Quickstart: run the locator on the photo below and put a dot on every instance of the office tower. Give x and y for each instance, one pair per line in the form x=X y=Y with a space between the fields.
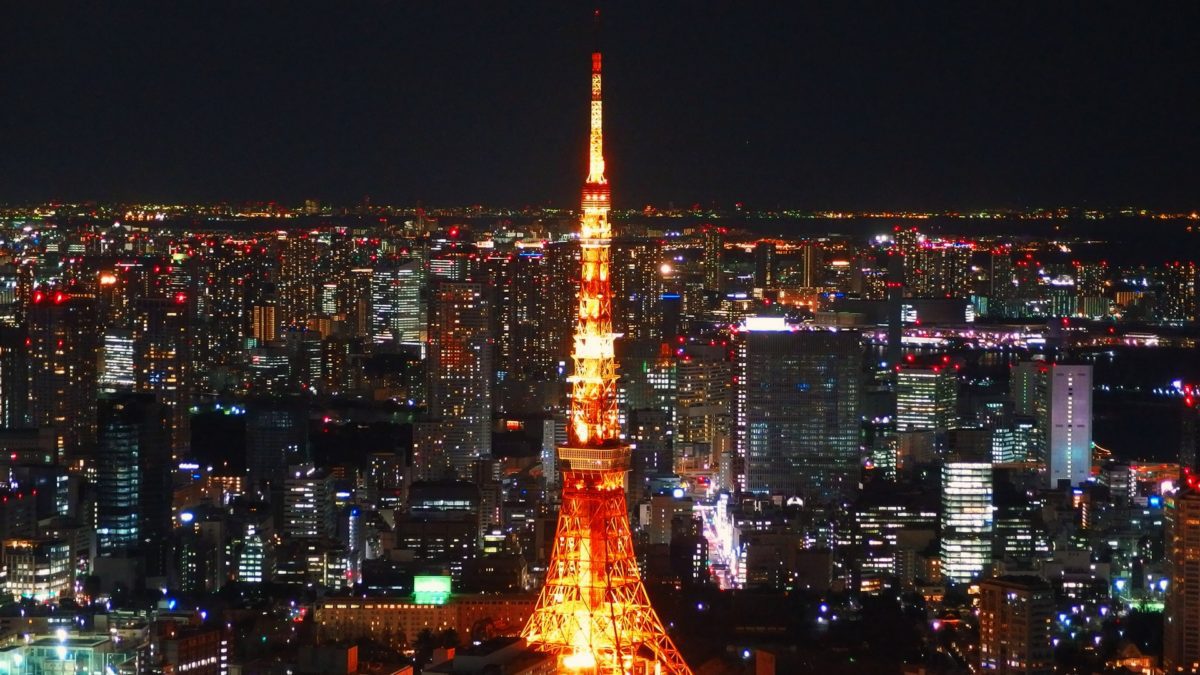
x=703 y=393
x=133 y=478
x=62 y=368
x=1069 y=424
x=593 y=611
x=926 y=395
x=637 y=283
x=452 y=259
x=397 y=311
x=117 y=361
x=276 y=438
x=14 y=378
x=11 y=310
x=811 y=260
x=1027 y=388
x=765 y=264
x=713 y=259
x=460 y=370
x=1015 y=621
x=966 y=532
x=797 y=406
x=269 y=370
x=1181 y=629
x=297 y=285
x=646 y=378
x=1019 y=532
x=883 y=516
x=304 y=355
x=162 y=360
x=308 y=511
x=651 y=457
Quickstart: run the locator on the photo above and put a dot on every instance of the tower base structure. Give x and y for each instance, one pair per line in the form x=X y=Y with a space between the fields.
x=593 y=612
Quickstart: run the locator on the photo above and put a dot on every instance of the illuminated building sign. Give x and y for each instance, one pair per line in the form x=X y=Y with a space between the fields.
x=431 y=590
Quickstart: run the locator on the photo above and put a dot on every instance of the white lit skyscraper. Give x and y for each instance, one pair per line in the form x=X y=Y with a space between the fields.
x=116 y=359
x=1069 y=427
x=397 y=313
x=967 y=521
x=926 y=396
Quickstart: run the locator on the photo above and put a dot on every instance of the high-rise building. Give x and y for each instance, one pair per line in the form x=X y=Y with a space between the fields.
x=62 y=368
x=559 y=305
x=133 y=478
x=1178 y=296
x=943 y=270
x=967 y=520
x=765 y=265
x=1189 y=437
x=714 y=258
x=14 y=378
x=811 y=260
x=397 y=311
x=1069 y=424
x=522 y=314
x=926 y=396
x=593 y=612
x=637 y=282
x=650 y=436
x=308 y=511
x=297 y=278
x=116 y=361
x=797 y=404
x=703 y=393
x=1181 y=630
x=276 y=438
x=1015 y=621
x=264 y=323
x=162 y=360
x=460 y=370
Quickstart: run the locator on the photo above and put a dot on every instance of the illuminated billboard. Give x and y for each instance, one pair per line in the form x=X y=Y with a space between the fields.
x=431 y=590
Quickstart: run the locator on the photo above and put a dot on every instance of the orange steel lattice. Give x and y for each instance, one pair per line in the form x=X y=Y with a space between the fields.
x=593 y=611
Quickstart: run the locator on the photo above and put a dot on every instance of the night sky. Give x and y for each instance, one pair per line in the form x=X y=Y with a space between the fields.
x=917 y=104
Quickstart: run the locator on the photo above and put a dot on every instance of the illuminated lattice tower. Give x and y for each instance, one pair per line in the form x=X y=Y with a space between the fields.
x=593 y=611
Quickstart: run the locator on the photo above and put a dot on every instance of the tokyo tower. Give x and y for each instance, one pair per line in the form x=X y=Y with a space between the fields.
x=593 y=612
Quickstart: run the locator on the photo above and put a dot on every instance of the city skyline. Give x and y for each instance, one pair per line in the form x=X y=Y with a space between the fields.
x=292 y=436
x=941 y=106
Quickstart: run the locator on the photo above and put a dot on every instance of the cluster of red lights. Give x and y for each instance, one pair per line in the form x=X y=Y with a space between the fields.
x=57 y=298
x=1191 y=480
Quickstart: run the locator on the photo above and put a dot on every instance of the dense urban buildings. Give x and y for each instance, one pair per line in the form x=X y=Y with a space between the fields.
x=336 y=434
